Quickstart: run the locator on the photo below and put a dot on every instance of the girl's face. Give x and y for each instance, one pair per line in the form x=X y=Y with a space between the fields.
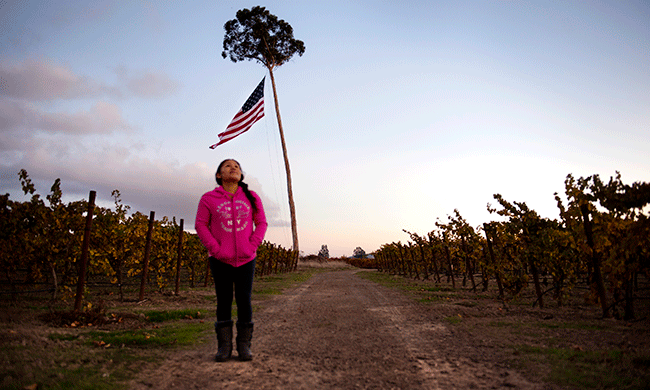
x=230 y=172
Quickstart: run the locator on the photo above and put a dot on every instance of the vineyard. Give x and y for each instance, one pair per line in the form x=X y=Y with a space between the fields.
x=67 y=249
x=598 y=249
x=457 y=301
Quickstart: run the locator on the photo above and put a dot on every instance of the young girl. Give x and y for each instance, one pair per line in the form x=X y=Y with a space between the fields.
x=231 y=224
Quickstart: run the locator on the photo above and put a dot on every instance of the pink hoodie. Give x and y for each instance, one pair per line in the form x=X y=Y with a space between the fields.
x=225 y=225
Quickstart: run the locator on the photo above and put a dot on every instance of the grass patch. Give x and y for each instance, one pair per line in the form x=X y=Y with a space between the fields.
x=178 y=334
x=430 y=299
x=454 y=320
x=171 y=315
x=166 y=336
x=573 y=326
x=96 y=359
x=264 y=287
x=380 y=277
x=422 y=290
x=588 y=369
x=72 y=364
x=506 y=324
x=435 y=289
x=263 y=291
x=467 y=304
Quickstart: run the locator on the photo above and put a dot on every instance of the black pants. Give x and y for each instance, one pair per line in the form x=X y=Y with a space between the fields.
x=225 y=276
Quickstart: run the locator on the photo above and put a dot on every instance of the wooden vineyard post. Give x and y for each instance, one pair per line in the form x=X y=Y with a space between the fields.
x=81 y=281
x=178 y=261
x=147 y=252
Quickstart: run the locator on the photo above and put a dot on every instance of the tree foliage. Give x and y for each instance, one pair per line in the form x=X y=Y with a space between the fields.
x=324 y=252
x=255 y=34
x=358 y=253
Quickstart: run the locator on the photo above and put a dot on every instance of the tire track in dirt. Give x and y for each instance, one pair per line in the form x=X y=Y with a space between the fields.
x=337 y=331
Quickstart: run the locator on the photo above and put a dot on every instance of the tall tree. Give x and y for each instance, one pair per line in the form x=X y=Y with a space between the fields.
x=258 y=35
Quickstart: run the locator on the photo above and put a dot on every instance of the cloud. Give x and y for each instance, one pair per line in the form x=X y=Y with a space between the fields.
x=44 y=81
x=101 y=118
x=147 y=83
x=22 y=119
x=146 y=184
x=271 y=208
x=14 y=114
x=27 y=120
x=40 y=81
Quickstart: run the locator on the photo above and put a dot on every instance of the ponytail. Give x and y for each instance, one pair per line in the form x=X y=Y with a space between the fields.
x=249 y=195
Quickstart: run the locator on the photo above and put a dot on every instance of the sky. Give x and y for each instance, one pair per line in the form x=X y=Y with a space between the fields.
x=397 y=114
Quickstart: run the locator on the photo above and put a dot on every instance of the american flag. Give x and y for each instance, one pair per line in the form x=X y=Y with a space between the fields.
x=251 y=112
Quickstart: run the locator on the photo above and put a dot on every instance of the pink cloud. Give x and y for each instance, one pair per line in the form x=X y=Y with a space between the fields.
x=43 y=80
x=101 y=118
x=147 y=83
x=34 y=80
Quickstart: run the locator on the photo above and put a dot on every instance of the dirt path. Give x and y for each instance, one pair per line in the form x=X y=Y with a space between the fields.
x=339 y=331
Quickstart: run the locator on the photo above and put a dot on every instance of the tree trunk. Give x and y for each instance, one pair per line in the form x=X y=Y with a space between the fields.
x=451 y=267
x=538 y=288
x=595 y=261
x=493 y=259
x=434 y=259
x=424 y=261
x=207 y=273
x=470 y=269
x=120 y=281
x=55 y=284
x=292 y=207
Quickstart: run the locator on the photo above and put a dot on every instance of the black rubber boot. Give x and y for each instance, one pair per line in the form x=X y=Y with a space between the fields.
x=224 y=340
x=244 y=336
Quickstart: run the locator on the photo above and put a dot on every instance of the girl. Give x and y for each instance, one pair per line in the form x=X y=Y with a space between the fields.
x=231 y=224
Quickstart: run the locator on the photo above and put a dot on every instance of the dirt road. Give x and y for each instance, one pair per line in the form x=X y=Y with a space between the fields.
x=339 y=331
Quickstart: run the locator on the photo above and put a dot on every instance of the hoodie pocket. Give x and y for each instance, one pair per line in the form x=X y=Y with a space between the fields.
x=248 y=250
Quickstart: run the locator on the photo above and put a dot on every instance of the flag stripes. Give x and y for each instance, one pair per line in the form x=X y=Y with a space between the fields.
x=251 y=112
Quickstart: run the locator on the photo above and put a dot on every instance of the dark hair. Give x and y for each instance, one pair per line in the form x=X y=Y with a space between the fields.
x=241 y=183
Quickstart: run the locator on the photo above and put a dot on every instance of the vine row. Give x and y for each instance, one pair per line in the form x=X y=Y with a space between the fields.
x=601 y=240
x=41 y=247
